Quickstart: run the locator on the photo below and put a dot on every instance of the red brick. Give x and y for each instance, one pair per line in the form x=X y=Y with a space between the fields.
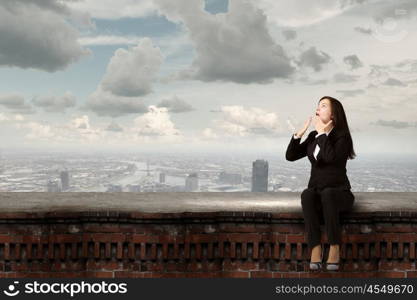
x=260 y=274
x=391 y=274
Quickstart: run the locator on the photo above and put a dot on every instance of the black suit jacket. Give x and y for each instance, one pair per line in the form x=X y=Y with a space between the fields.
x=329 y=170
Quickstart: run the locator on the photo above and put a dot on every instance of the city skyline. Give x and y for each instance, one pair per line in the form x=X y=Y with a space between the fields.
x=214 y=173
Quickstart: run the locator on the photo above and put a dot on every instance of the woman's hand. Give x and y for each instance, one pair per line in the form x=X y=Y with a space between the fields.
x=305 y=127
x=323 y=127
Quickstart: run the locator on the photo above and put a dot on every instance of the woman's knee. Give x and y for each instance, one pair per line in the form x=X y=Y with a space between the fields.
x=307 y=195
x=329 y=196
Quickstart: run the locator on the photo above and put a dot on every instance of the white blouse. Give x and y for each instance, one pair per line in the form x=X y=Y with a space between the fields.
x=317 y=149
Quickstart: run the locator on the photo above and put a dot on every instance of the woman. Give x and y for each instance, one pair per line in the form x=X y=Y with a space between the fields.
x=328 y=192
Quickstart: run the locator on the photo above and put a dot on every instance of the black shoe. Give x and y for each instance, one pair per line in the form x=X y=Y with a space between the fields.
x=333 y=266
x=316 y=266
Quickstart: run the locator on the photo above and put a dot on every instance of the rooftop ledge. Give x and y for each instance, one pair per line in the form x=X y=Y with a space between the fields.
x=192 y=202
x=204 y=234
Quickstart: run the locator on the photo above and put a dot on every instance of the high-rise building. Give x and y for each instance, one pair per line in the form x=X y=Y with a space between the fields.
x=53 y=186
x=260 y=176
x=161 y=177
x=112 y=188
x=65 y=180
x=191 y=182
x=134 y=188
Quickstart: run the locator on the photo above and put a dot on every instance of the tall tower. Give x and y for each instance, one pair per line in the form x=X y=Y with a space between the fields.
x=161 y=177
x=191 y=182
x=65 y=180
x=260 y=176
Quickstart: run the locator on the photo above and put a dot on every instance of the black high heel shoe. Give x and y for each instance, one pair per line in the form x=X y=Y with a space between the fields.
x=316 y=266
x=334 y=266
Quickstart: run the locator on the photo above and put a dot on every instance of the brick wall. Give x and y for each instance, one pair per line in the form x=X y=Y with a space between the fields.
x=207 y=244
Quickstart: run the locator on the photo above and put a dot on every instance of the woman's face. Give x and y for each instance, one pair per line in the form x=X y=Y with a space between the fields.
x=324 y=110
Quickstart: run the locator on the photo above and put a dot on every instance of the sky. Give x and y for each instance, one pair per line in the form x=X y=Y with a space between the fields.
x=214 y=75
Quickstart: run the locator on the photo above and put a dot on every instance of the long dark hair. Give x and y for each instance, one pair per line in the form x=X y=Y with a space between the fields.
x=340 y=122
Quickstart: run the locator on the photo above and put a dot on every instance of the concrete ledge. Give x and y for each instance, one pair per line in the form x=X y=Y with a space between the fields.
x=196 y=235
x=270 y=202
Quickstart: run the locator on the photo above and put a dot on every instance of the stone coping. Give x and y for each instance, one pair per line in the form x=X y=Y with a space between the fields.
x=193 y=202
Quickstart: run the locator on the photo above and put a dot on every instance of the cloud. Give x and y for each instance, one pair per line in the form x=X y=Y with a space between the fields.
x=151 y=128
x=35 y=34
x=11 y=119
x=234 y=46
x=77 y=130
x=407 y=65
x=399 y=74
x=129 y=76
x=55 y=103
x=16 y=103
x=394 y=82
x=156 y=122
x=209 y=134
x=81 y=122
x=351 y=93
x=289 y=34
x=405 y=9
x=344 y=78
x=239 y=121
x=366 y=31
x=106 y=9
x=106 y=104
x=394 y=124
x=175 y=105
x=113 y=126
x=314 y=59
x=301 y=13
x=353 y=61
x=307 y=80
x=131 y=72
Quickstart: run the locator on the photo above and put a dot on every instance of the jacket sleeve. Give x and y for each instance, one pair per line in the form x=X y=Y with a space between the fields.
x=297 y=150
x=331 y=152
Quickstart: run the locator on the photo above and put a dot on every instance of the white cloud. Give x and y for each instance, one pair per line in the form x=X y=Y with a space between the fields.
x=36 y=35
x=314 y=59
x=16 y=103
x=152 y=128
x=240 y=121
x=131 y=72
x=4 y=118
x=81 y=122
x=77 y=130
x=107 y=9
x=113 y=126
x=299 y=13
x=353 y=61
x=235 y=46
x=55 y=103
x=129 y=76
x=106 y=104
x=208 y=133
x=156 y=122
x=175 y=105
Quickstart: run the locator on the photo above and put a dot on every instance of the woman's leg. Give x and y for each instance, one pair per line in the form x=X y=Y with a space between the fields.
x=309 y=199
x=335 y=200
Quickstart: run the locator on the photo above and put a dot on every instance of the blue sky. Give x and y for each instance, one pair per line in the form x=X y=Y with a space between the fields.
x=200 y=75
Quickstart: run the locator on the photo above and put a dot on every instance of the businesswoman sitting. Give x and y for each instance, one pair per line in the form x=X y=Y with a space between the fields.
x=327 y=147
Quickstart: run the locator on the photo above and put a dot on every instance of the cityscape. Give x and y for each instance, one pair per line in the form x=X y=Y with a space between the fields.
x=156 y=172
